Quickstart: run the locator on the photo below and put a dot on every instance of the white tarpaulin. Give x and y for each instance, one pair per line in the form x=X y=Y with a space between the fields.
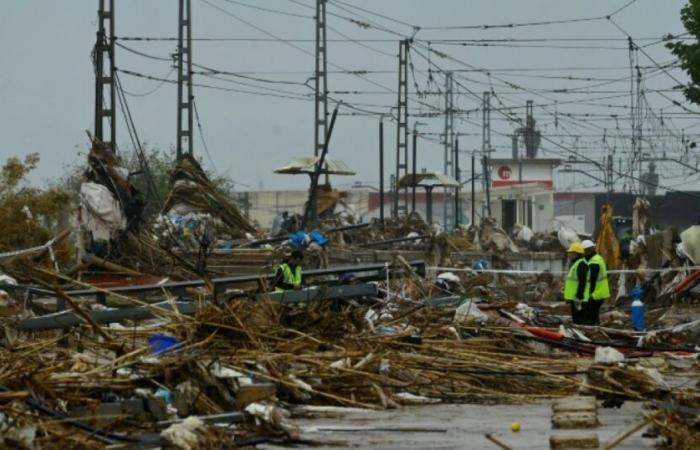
x=690 y=239
x=100 y=212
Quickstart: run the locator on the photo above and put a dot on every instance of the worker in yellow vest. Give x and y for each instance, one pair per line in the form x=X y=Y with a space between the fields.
x=575 y=285
x=288 y=275
x=598 y=286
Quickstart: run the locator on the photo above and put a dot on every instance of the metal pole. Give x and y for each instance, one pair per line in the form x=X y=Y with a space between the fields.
x=104 y=45
x=457 y=177
x=610 y=177
x=311 y=212
x=321 y=81
x=449 y=149
x=640 y=120
x=632 y=109
x=381 y=170
x=429 y=204
x=190 y=93
x=473 y=216
x=402 y=130
x=99 y=68
x=413 y=170
x=112 y=87
x=178 y=147
x=488 y=184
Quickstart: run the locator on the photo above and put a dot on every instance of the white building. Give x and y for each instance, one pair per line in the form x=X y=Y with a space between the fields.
x=522 y=192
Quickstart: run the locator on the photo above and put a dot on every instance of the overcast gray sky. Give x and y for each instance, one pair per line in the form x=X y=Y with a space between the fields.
x=47 y=88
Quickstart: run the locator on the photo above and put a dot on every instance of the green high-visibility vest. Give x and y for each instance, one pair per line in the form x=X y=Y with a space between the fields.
x=571 y=282
x=602 y=288
x=290 y=277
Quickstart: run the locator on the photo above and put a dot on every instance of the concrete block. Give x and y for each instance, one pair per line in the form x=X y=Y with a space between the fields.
x=569 y=420
x=573 y=439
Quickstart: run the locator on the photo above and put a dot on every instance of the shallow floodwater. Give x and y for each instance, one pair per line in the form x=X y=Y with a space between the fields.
x=446 y=427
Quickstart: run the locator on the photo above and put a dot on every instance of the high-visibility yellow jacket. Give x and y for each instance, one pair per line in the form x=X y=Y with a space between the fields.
x=601 y=290
x=571 y=284
x=290 y=277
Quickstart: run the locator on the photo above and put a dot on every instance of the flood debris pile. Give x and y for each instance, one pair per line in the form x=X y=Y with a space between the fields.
x=192 y=192
x=166 y=331
x=253 y=361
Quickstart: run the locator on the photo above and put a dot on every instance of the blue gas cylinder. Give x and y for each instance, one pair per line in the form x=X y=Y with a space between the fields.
x=637 y=310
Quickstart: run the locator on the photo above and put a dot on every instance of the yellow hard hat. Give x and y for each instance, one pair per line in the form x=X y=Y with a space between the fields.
x=576 y=247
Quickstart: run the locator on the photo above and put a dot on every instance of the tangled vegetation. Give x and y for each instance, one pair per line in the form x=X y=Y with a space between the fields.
x=30 y=215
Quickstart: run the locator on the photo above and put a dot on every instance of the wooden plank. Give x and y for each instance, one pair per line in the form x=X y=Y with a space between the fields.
x=9 y=396
x=575 y=404
x=569 y=420
x=573 y=439
x=250 y=393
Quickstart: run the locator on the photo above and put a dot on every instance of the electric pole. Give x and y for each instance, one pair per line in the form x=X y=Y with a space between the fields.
x=184 y=80
x=486 y=148
x=401 y=205
x=636 y=116
x=381 y=169
x=458 y=177
x=449 y=168
x=320 y=80
x=609 y=172
x=639 y=122
x=105 y=108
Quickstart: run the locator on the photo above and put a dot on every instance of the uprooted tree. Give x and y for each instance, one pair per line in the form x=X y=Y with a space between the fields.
x=160 y=165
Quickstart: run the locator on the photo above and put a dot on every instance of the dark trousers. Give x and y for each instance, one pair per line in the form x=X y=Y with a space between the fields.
x=592 y=309
x=578 y=316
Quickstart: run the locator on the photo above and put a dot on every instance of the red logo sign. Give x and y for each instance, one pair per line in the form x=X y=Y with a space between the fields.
x=504 y=172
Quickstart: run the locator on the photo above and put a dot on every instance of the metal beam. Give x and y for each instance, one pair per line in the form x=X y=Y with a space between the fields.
x=321 y=293
x=222 y=282
x=393 y=241
x=68 y=319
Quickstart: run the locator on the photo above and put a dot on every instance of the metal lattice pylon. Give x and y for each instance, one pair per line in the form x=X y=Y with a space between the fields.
x=401 y=204
x=449 y=143
x=184 y=80
x=321 y=80
x=105 y=105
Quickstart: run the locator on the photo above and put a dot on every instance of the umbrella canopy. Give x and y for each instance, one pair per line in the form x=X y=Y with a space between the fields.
x=308 y=165
x=427 y=179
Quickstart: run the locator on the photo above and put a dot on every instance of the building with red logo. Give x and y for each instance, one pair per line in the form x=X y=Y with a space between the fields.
x=522 y=192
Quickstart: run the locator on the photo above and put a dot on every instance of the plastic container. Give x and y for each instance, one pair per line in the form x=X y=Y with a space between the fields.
x=638 y=315
x=480 y=264
x=165 y=394
x=160 y=343
x=637 y=293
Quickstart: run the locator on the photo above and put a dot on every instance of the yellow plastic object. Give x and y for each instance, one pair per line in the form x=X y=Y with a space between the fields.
x=515 y=427
x=576 y=247
x=607 y=244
